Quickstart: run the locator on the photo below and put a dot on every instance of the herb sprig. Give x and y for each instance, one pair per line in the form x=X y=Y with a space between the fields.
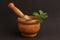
x=40 y=16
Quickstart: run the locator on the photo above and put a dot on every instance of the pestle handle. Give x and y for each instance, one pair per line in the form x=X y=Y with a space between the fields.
x=15 y=9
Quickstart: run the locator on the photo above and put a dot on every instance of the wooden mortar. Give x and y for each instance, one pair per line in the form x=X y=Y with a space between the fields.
x=28 y=28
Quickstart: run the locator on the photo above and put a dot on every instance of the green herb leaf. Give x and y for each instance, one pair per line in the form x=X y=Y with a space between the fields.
x=36 y=14
x=40 y=11
x=40 y=16
x=39 y=20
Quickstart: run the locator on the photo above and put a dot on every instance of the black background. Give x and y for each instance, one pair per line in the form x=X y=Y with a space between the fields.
x=50 y=28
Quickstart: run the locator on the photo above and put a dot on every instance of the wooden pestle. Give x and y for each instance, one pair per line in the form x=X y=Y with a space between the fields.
x=17 y=11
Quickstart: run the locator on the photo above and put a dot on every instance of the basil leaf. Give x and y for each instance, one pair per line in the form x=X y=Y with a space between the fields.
x=40 y=16
x=40 y=11
x=36 y=14
x=39 y=20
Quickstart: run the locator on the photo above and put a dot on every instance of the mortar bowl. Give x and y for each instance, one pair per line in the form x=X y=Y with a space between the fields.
x=28 y=28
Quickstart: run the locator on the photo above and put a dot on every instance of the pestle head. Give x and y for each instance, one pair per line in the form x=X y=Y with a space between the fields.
x=27 y=17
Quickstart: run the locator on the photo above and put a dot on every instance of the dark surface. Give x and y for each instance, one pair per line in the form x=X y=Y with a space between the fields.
x=50 y=29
